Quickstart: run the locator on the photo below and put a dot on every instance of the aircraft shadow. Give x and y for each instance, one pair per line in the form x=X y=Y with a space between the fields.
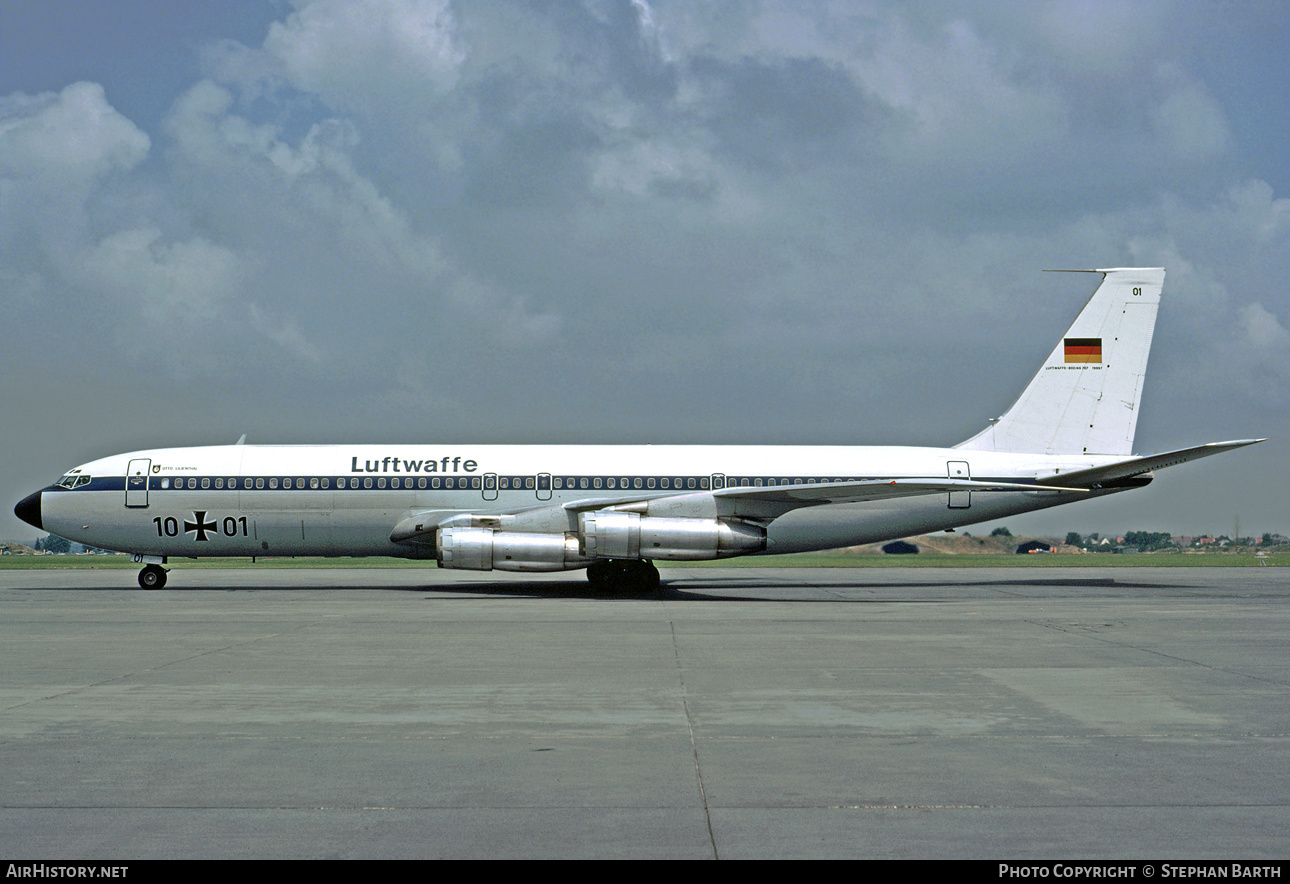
x=677 y=590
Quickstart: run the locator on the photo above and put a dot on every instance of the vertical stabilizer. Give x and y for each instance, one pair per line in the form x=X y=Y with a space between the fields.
x=1084 y=400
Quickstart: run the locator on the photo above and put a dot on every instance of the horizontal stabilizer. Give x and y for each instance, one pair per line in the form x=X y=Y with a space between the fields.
x=1136 y=466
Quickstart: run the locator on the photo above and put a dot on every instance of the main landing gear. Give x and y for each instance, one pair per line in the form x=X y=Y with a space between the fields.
x=622 y=575
x=152 y=577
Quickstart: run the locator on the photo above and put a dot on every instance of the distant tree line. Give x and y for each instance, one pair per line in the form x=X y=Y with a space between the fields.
x=1148 y=540
x=52 y=543
x=1154 y=540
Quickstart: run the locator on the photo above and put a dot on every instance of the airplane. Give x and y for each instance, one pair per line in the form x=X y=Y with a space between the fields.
x=614 y=510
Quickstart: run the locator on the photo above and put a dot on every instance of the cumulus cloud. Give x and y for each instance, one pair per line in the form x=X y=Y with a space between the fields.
x=385 y=54
x=653 y=185
x=58 y=151
x=1190 y=124
x=1264 y=331
x=73 y=136
x=170 y=284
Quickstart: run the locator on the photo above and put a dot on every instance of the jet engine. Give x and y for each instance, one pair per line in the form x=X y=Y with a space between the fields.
x=483 y=549
x=603 y=534
x=618 y=535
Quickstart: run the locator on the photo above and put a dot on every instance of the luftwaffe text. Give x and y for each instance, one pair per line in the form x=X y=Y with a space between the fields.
x=446 y=464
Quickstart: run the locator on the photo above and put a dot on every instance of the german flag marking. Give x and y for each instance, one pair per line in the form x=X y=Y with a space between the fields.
x=1083 y=349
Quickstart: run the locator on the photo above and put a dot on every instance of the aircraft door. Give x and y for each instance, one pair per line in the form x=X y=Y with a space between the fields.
x=544 y=486
x=959 y=500
x=490 y=486
x=136 y=482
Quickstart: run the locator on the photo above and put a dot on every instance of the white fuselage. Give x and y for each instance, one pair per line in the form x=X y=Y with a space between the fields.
x=346 y=500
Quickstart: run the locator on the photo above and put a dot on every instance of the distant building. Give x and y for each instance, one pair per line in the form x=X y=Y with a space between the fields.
x=900 y=548
x=1034 y=546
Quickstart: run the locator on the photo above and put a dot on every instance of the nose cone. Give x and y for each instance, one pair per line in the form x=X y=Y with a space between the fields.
x=28 y=509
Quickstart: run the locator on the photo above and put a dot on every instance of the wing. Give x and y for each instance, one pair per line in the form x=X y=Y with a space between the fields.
x=869 y=489
x=773 y=501
x=761 y=503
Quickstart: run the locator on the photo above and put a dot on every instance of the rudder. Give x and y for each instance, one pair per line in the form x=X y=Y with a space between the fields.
x=1084 y=400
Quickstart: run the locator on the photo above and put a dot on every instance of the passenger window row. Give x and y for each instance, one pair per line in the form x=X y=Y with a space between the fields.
x=489 y=482
x=314 y=483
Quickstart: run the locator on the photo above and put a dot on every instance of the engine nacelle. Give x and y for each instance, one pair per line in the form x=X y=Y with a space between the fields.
x=618 y=535
x=483 y=549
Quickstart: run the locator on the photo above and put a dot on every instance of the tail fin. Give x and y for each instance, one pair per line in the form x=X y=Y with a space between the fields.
x=1084 y=400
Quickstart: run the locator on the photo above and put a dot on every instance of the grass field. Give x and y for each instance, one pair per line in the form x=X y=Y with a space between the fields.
x=800 y=560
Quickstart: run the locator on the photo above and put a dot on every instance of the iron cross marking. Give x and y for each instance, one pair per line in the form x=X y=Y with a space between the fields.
x=200 y=525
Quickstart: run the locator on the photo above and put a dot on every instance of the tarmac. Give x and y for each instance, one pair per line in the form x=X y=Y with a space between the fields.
x=740 y=713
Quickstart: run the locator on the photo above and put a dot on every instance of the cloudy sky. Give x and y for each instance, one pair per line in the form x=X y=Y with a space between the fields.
x=638 y=221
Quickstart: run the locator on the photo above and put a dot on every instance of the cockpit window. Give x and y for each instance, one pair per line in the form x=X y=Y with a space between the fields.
x=74 y=479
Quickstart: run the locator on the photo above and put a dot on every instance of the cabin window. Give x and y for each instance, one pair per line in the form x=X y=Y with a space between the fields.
x=421 y=482
x=367 y=482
